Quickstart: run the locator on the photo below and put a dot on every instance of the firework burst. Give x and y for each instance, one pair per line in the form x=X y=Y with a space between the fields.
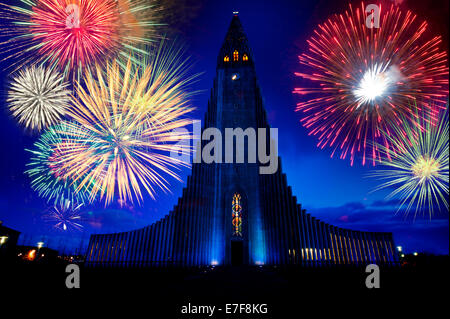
x=65 y=217
x=125 y=125
x=419 y=171
x=38 y=97
x=75 y=34
x=366 y=79
x=46 y=172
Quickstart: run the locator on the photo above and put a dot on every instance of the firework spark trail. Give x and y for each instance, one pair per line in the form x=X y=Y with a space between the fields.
x=367 y=78
x=76 y=34
x=38 y=97
x=65 y=216
x=419 y=172
x=123 y=128
x=45 y=171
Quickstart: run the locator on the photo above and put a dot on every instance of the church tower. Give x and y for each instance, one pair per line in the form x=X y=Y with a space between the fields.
x=230 y=213
x=237 y=104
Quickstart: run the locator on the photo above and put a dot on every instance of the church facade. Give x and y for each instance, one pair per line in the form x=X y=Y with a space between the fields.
x=229 y=213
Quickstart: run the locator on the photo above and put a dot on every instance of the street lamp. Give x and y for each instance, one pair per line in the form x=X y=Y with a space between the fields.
x=3 y=239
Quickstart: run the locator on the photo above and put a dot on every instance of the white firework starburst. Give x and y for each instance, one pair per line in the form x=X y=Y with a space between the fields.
x=65 y=217
x=38 y=97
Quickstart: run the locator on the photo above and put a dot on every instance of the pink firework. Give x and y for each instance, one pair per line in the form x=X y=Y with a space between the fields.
x=75 y=34
x=70 y=33
x=368 y=79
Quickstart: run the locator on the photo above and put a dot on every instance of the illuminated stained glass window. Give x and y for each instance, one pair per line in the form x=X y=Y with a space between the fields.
x=226 y=59
x=237 y=215
x=245 y=57
x=235 y=55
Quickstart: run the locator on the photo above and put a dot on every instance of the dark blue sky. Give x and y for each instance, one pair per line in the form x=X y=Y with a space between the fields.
x=329 y=189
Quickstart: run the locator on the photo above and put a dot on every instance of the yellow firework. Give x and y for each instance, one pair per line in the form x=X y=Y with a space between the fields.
x=126 y=125
x=417 y=166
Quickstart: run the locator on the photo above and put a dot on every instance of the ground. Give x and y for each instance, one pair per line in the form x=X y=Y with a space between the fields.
x=284 y=292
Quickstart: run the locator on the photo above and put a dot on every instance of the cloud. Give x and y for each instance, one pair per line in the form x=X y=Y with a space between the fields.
x=386 y=203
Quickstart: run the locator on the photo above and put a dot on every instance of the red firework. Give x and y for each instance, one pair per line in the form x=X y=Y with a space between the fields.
x=368 y=79
x=76 y=32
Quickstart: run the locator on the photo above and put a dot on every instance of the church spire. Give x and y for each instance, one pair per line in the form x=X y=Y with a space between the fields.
x=235 y=49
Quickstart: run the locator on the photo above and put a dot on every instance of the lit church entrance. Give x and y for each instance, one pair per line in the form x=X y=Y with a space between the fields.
x=237 y=252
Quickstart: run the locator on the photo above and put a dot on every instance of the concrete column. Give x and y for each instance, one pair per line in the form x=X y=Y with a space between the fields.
x=153 y=244
x=171 y=231
x=341 y=258
x=147 y=238
x=165 y=240
x=103 y=249
x=349 y=247
x=91 y=248
x=302 y=235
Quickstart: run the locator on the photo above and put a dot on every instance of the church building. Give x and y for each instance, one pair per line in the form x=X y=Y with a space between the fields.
x=229 y=213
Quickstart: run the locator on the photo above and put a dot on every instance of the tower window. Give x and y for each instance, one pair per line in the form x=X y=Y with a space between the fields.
x=226 y=59
x=245 y=57
x=237 y=215
x=235 y=55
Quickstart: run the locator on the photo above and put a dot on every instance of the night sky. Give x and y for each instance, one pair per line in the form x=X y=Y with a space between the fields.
x=329 y=189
